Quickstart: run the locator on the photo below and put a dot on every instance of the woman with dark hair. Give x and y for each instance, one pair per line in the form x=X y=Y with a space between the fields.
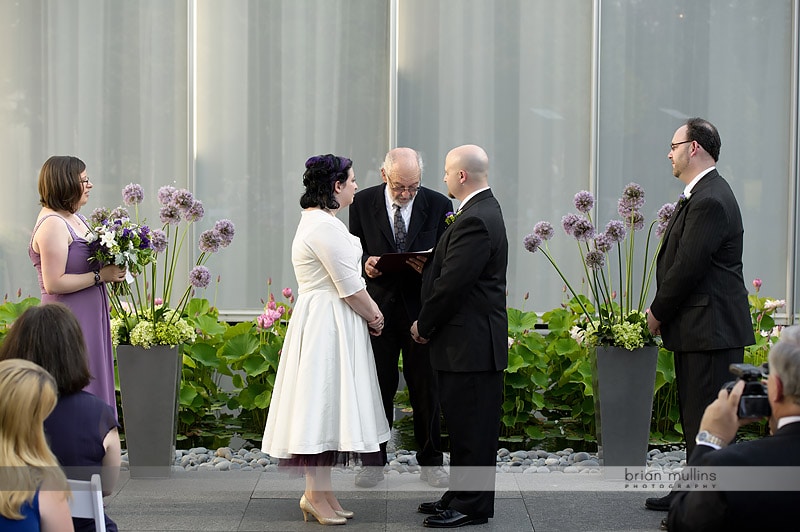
x=82 y=430
x=326 y=398
x=60 y=253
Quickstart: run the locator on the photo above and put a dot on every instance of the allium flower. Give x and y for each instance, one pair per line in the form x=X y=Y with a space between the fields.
x=615 y=229
x=195 y=212
x=583 y=201
x=661 y=228
x=666 y=211
x=159 y=240
x=119 y=213
x=169 y=214
x=583 y=229
x=633 y=196
x=568 y=221
x=544 y=230
x=532 y=242
x=635 y=219
x=603 y=243
x=200 y=277
x=226 y=231
x=99 y=216
x=595 y=260
x=183 y=199
x=209 y=241
x=165 y=194
x=132 y=194
x=287 y=292
x=757 y=284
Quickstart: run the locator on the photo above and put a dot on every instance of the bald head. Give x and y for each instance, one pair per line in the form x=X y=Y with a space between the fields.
x=466 y=169
x=402 y=171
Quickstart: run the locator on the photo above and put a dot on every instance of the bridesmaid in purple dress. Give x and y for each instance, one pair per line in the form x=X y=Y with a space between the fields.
x=60 y=253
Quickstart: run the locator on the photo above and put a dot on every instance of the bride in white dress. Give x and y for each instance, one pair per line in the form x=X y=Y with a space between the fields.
x=326 y=397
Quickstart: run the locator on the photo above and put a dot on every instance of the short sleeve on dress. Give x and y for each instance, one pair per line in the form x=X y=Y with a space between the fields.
x=340 y=253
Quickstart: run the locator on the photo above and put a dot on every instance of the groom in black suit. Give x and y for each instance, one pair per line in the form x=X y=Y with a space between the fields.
x=700 y=308
x=749 y=510
x=400 y=206
x=464 y=318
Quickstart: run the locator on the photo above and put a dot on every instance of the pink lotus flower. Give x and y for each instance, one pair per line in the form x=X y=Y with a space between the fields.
x=757 y=283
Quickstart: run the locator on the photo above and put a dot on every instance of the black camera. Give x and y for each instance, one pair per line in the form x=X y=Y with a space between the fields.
x=754 y=402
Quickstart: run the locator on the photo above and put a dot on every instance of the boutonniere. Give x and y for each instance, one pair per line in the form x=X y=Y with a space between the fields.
x=682 y=199
x=450 y=217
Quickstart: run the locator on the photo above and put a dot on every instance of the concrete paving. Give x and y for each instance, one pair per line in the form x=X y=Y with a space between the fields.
x=251 y=501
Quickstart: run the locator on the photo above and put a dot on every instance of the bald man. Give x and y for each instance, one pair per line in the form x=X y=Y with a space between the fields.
x=464 y=322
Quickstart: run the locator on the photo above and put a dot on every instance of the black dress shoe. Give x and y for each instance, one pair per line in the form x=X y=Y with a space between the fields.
x=659 y=504
x=432 y=508
x=452 y=519
x=664 y=525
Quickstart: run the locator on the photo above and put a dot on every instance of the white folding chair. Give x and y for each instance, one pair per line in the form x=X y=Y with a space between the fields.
x=87 y=501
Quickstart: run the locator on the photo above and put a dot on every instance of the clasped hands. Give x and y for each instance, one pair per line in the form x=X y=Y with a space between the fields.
x=416 y=263
x=415 y=334
x=375 y=326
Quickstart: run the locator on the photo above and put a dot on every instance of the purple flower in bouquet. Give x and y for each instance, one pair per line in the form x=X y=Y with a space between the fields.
x=119 y=213
x=99 y=216
x=132 y=194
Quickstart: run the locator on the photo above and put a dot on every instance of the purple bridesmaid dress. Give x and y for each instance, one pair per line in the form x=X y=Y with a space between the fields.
x=91 y=307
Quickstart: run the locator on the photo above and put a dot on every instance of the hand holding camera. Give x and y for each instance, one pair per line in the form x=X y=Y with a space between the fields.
x=754 y=402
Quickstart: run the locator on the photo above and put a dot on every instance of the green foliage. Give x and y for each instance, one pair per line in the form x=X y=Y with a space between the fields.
x=10 y=311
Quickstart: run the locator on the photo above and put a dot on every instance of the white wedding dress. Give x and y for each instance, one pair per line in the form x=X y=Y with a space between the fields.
x=326 y=395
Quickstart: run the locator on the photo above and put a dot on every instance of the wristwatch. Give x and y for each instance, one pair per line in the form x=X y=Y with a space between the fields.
x=96 y=277
x=706 y=437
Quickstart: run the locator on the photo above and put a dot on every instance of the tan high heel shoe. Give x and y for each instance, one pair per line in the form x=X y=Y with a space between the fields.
x=307 y=508
x=347 y=514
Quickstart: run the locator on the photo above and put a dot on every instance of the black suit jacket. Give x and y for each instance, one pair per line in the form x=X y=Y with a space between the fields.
x=742 y=510
x=701 y=298
x=464 y=291
x=369 y=221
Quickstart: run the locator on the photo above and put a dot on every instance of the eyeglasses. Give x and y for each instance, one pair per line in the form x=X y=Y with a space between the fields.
x=676 y=144
x=399 y=190
x=84 y=180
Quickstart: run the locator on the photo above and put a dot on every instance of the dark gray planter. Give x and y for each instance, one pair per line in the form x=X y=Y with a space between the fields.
x=149 y=380
x=624 y=382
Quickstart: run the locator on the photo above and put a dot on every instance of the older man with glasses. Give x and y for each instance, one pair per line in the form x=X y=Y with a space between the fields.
x=399 y=215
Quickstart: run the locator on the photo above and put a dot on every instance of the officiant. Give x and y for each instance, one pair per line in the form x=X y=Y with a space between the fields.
x=401 y=216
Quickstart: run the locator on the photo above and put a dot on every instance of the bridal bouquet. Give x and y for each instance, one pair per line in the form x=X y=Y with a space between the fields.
x=142 y=313
x=614 y=315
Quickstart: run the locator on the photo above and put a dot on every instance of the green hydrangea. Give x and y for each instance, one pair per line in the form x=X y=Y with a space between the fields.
x=628 y=335
x=170 y=329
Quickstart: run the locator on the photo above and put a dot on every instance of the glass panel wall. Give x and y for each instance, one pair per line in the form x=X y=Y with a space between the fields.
x=230 y=98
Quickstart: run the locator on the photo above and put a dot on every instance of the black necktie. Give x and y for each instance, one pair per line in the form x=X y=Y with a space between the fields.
x=399 y=229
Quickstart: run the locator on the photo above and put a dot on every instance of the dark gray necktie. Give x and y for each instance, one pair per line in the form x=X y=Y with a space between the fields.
x=399 y=229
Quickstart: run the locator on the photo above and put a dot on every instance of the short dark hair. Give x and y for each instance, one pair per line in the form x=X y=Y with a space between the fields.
x=60 y=186
x=50 y=336
x=322 y=171
x=705 y=134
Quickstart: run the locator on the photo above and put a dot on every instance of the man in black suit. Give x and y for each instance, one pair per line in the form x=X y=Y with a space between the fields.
x=464 y=318
x=700 y=308
x=400 y=215
x=749 y=510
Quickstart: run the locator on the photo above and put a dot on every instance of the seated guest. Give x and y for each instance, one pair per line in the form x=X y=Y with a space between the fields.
x=33 y=490
x=748 y=510
x=82 y=430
